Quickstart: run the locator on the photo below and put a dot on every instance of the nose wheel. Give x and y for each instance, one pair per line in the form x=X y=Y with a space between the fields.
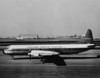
x=43 y=60
x=12 y=57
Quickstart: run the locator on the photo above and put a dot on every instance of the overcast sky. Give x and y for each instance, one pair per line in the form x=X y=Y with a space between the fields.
x=49 y=17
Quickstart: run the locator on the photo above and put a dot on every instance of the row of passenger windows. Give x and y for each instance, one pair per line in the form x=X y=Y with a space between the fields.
x=48 y=49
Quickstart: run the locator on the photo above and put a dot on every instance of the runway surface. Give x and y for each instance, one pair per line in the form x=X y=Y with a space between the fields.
x=75 y=68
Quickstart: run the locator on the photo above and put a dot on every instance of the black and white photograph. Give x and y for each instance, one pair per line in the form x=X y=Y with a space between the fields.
x=49 y=39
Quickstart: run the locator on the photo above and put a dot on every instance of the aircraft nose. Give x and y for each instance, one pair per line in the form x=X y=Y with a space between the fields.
x=6 y=51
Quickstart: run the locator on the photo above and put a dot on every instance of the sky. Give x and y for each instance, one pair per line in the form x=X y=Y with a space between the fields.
x=49 y=17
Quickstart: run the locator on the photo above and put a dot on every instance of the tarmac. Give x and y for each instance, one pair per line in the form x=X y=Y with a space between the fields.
x=76 y=67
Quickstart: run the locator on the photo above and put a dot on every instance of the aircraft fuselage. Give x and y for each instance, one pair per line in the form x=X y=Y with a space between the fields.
x=60 y=48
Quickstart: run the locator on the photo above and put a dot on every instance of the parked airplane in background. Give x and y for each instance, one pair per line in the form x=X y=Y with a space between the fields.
x=45 y=51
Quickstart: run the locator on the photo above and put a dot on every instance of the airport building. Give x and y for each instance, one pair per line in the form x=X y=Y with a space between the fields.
x=27 y=36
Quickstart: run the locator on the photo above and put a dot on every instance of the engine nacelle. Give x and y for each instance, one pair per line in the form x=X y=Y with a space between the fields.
x=42 y=53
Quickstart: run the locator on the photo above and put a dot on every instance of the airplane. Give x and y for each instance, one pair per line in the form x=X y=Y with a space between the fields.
x=51 y=52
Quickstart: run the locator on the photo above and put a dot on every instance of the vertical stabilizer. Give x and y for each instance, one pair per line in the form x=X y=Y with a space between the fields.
x=89 y=36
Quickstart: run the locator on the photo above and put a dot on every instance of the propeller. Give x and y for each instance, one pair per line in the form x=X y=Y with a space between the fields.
x=30 y=57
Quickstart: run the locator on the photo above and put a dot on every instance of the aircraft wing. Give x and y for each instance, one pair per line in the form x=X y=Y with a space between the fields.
x=48 y=56
x=42 y=53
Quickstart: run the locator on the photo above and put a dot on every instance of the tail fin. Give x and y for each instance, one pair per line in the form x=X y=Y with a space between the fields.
x=89 y=36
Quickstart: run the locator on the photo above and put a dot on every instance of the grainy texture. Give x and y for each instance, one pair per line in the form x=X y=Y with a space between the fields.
x=76 y=68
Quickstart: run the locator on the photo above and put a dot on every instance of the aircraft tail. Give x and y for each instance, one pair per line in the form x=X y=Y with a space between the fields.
x=89 y=36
